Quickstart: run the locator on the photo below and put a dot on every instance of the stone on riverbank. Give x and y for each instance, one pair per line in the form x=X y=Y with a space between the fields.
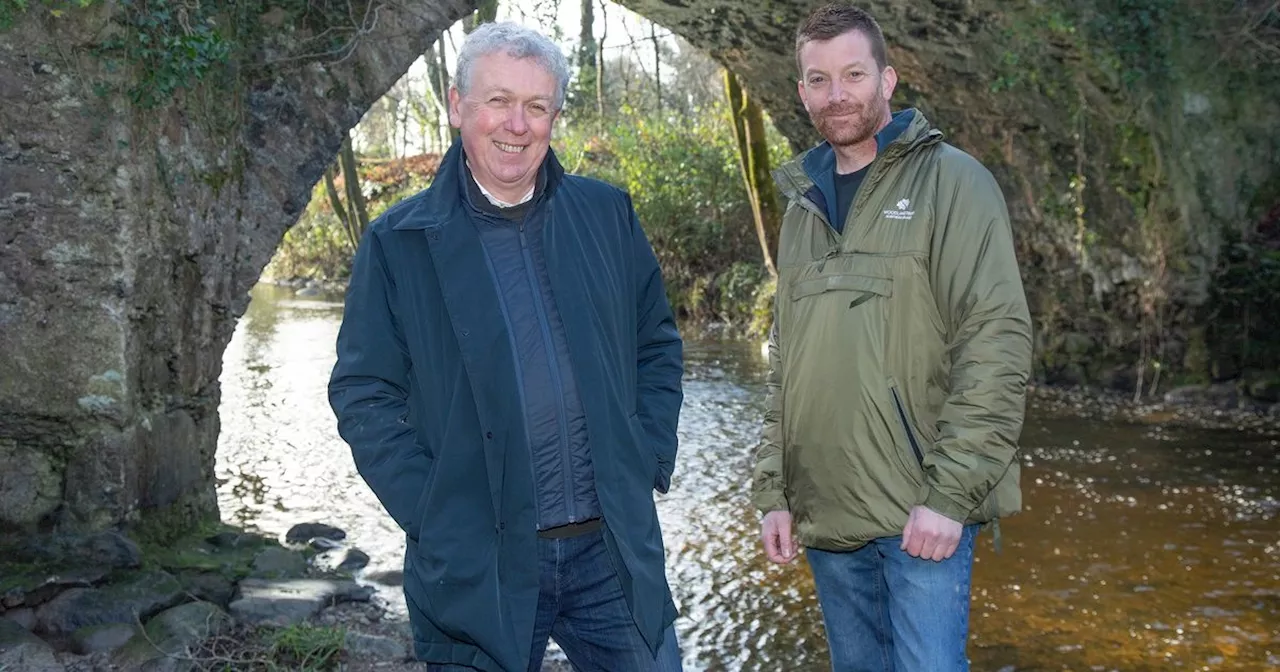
x=167 y=639
x=364 y=647
x=288 y=602
x=32 y=588
x=127 y=602
x=103 y=550
x=275 y=562
x=21 y=650
x=98 y=638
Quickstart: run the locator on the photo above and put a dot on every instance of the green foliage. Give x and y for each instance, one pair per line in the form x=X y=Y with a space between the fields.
x=317 y=247
x=303 y=647
x=172 y=44
x=10 y=9
x=685 y=182
x=169 y=44
x=1020 y=60
x=1141 y=35
x=306 y=647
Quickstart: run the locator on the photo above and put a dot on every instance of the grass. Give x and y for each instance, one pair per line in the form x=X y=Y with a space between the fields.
x=302 y=648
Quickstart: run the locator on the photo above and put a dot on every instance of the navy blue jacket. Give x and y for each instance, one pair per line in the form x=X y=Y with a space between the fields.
x=555 y=424
x=426 y=395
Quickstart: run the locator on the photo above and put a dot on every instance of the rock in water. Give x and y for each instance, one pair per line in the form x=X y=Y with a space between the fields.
x=356 y=559
x=304 y=532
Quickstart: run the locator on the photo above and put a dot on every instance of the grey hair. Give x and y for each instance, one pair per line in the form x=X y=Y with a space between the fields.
x=517 y=42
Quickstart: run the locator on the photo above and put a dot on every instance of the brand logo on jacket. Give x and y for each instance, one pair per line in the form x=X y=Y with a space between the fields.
x=904 y=210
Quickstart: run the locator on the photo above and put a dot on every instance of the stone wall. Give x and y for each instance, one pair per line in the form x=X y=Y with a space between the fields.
x=129 y=240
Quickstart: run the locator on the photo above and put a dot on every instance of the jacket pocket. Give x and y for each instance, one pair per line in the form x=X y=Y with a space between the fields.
x=661 y=482
x=869 y=285
x=905 y=421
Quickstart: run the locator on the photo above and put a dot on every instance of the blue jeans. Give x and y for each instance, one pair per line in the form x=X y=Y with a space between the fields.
x=580 y=604
x=886 y=611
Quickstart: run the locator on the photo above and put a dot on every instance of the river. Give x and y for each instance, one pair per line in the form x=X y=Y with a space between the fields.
x=1140 y=547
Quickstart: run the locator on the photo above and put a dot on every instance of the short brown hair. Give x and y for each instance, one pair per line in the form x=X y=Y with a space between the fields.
x=836 y=19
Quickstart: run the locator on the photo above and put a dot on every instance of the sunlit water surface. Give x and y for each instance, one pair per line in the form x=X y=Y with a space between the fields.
x=1140 y=548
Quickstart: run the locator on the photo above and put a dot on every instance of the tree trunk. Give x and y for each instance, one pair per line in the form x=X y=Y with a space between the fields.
x=657 y=63
x=586 y=56
x=357 y=213
x=753 y=154
x=604 y=19
x=438 y=73
x=335 y=202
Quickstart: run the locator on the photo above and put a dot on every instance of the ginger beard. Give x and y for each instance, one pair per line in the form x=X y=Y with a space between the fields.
x=848 y=123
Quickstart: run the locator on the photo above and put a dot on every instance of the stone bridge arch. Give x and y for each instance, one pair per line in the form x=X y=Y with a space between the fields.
x=129 y=238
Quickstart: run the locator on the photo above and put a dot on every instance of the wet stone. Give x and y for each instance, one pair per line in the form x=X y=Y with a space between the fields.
x=323 y=544
x=304 y=532
x=386 y=577
x=356 y=559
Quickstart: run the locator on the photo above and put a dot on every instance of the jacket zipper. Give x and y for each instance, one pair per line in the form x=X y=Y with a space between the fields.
x=902 y=415
x=556 y=383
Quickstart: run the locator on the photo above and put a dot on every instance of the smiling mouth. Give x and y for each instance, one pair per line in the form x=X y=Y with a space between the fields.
x=509 y=149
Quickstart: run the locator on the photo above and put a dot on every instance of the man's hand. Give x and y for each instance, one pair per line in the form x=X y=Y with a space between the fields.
x=775 y=531
x=930 y=535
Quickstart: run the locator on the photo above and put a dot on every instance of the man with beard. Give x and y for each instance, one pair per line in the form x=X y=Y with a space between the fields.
x=899 y=354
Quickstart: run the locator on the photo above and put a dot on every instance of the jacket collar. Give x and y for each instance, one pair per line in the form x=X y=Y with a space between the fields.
x=447 y=194
x=815 y=167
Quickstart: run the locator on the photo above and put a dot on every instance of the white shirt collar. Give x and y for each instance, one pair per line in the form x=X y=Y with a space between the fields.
x=494 y=199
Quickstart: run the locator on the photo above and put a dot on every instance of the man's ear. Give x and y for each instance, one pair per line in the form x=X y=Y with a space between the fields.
x=890 y=81
x=455 y=115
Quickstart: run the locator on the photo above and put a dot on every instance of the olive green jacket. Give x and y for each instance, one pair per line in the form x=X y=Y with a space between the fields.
x=900 y=349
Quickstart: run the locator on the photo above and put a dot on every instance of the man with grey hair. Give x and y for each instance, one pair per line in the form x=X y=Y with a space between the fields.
x=509 y=381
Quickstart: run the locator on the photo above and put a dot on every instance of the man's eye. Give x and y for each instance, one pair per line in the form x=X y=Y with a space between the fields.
x=497 y=100
x=816 y=80
x=539 y=109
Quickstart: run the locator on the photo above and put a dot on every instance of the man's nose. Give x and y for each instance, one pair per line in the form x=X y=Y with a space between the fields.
x=517 y=122
x=839 y=92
